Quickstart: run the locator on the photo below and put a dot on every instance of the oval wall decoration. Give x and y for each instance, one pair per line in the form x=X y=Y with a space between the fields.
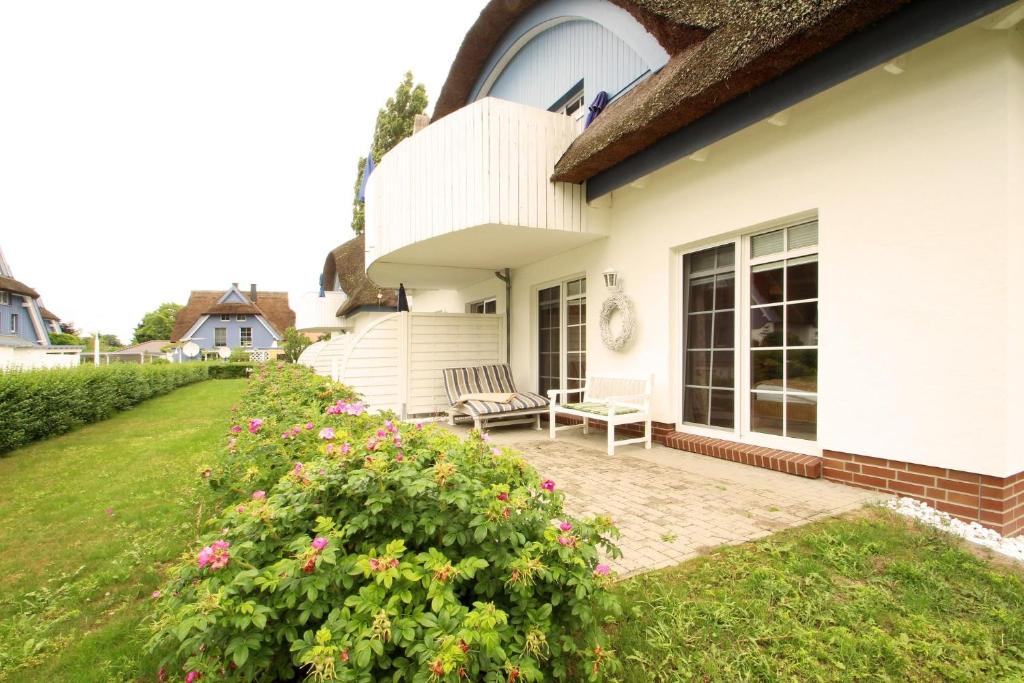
x=617 y=303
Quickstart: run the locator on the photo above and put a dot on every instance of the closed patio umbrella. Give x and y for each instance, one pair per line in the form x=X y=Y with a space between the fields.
x=596 y=107
x=403 y=300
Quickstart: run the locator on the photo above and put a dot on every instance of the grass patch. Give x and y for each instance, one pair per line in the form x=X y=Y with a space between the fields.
x=86 y=522
x=873 y=597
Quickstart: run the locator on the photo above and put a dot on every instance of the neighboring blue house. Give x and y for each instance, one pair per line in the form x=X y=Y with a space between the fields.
x=24 y=327
x=21 y=319
x=231 y=319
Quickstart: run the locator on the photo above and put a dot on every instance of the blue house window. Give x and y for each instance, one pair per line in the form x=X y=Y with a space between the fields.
x=240 y=318
x=246 y=336
x=225 y=317
x=5 y=299
x=14 y=323
x=220 y=336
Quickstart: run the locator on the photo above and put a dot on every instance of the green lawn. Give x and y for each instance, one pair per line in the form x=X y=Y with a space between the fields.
x=871 y=598
x=86 y=521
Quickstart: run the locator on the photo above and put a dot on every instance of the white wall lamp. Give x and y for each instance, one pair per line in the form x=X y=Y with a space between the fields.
x=611 y=280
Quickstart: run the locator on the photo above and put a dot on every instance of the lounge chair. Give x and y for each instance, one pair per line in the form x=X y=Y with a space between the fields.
x=488 y=394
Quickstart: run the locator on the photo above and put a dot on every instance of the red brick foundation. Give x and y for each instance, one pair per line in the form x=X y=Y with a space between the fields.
x=996 y=502
x=768 y=458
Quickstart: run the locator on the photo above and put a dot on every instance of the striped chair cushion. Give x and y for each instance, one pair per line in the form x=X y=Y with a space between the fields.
x=487 y=379
x=521 y=401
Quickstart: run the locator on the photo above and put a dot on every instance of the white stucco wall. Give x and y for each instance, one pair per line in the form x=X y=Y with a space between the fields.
x=916 y=180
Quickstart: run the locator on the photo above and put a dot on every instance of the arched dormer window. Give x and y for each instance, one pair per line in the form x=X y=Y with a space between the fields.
x=562 y=52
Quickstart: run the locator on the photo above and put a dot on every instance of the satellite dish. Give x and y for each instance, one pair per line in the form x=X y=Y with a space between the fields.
x=190 y=349
x=224 y=352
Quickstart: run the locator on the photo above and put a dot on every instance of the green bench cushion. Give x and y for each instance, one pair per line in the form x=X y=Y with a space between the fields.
x=599 y=408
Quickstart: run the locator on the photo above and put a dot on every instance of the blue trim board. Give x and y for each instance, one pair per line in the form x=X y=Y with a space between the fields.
x=910 y=27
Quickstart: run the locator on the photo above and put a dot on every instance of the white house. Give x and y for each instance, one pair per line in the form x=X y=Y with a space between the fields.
x=815 y=210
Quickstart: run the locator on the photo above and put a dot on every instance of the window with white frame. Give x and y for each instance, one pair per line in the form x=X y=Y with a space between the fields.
x=773 y=344
x=225 y=317
x=240 y=318
x=784 y=332
x=573 y=105
x=220 y=336
x=245 y=336
x=5 y=299
x=14 y=323
x=483 y=306
x=562 y=335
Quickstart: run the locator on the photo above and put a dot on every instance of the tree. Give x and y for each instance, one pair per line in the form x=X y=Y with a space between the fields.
x=294 y=344
x=68 y=328
x=156 y=324
x=64 y=339
x=108 y=342
x=394 y=124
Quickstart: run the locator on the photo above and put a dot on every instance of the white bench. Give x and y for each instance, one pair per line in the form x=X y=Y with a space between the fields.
x=615 y=400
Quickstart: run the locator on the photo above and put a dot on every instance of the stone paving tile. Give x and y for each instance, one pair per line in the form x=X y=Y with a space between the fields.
x=671 y=505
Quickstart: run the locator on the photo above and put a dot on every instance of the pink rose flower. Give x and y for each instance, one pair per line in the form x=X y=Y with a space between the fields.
x=567 y=541
x=502 y=496
x=548 y=485
x=259 y=495
x=215 y=555
x=381 y=433
x=235 y=429
x=297 y=470
x=390 y=426
x=309 y=425
x=155 y=594
x=399 y=458
x=255 y=425
x=602 y=570
x=327 y=433
x=319 y=543
x=419 y=426
x=240 y=509
x=346 y=448
x=193 y=676
x=565 y=526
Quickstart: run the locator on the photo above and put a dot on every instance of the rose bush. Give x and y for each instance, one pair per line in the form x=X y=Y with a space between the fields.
x=382 y=551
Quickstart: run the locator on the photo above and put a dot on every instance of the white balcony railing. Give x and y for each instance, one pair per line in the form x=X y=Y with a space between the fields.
x=484 y=168
x=316 y=313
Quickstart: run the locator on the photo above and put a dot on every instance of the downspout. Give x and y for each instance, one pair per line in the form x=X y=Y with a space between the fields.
x=505 y=276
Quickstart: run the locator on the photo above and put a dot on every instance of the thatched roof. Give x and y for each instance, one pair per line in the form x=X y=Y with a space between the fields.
x=718 y=49
x=48 y=314
x=9 y=284
x=273 y=306
x=348 y=262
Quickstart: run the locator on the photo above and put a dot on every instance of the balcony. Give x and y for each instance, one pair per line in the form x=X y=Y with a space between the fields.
x=315 y=313
x=470 y=194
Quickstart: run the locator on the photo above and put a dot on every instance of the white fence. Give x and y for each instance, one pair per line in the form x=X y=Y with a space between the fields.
x=396 y=362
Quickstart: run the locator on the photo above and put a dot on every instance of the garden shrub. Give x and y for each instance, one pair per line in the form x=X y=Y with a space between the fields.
x=232 y=370
x=36 y=404
x=385 y=551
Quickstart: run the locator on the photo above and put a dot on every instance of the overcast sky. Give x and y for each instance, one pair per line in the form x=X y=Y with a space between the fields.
x=150 y=148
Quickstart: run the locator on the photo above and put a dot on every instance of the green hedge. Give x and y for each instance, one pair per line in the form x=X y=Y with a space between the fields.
x=37 y=404
x=230 y=370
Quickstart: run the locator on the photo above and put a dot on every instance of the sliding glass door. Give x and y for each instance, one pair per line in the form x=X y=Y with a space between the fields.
x=562 y=336
x=709 y=393
x=755 y=372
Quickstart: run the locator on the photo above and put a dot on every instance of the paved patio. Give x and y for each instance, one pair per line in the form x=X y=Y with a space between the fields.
x=671 y=505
